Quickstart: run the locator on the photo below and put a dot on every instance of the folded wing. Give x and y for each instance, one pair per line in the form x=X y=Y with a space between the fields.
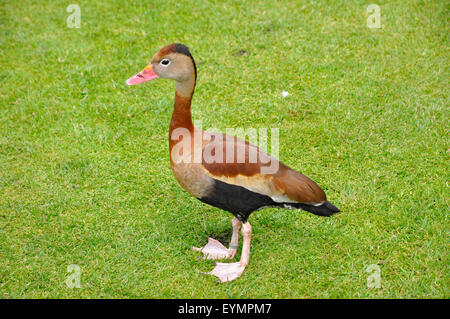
x=235 y=161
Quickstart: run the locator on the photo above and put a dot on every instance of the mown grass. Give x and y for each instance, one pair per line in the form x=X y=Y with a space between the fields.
x=84 y=165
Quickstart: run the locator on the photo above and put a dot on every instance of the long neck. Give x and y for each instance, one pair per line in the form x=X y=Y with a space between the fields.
x=181 y=116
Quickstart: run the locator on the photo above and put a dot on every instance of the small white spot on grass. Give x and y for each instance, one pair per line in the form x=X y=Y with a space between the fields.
x=284 y=93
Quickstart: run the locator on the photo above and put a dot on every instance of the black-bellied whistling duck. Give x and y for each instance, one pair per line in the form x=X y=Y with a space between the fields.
x=238 y=186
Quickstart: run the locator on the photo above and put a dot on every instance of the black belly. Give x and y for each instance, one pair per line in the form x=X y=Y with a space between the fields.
x=238 y=200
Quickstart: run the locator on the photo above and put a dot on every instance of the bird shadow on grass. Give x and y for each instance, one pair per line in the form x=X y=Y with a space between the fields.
x=222 y=235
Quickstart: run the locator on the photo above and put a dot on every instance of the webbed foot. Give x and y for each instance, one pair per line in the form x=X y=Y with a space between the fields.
x=228 y=272
x=215 y=250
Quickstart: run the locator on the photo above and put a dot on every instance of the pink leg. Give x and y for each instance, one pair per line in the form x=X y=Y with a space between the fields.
x=229 y=272
x=234 y=243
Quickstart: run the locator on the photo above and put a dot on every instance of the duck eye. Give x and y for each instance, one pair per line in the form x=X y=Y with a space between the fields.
x=165 y=62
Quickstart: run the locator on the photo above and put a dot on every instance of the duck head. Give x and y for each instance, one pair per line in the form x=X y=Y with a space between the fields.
x=171 y=62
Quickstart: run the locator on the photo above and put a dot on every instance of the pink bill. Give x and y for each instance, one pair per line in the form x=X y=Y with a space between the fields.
x=145 y=75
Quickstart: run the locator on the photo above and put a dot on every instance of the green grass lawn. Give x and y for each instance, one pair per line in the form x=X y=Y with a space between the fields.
x=84 y=163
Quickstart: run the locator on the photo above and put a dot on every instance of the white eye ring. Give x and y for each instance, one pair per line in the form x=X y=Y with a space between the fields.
x=165 y=62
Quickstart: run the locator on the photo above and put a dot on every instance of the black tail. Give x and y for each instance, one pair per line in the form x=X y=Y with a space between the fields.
x=326 y=209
